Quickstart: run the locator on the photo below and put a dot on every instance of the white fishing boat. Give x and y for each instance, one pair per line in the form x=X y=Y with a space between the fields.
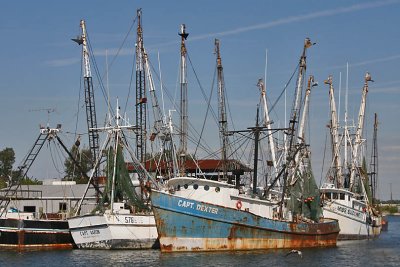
x=345 y=195
x=356 y=219
x=116 y=229
x=123 y=220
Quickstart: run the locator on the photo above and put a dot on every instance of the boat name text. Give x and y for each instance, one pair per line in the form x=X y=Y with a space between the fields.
x=200 y=207
x=87 y=233
x=349 y=212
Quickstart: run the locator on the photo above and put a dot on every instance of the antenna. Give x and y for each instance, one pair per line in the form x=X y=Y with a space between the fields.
x=48 y=110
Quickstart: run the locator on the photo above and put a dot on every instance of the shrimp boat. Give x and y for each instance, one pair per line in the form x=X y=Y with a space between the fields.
x=32 y=230
x=345 y=194
x=198 y=214
x=123 y=219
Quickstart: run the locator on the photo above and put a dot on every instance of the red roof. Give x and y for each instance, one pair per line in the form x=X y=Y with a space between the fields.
x=205 y=165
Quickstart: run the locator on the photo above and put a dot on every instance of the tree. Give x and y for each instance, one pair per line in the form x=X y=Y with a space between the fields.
x=7 y=159
x=84 y=158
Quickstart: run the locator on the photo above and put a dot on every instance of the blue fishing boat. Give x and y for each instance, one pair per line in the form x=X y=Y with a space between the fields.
x=197 y=214
x=230 y=222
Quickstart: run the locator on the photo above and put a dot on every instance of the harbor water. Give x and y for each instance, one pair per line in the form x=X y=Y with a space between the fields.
x=384 y=251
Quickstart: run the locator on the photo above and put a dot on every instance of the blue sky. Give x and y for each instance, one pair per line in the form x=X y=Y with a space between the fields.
x=40 y=65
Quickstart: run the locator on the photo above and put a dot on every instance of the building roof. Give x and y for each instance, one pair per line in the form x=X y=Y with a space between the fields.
x=70 y=191
x=205 y=165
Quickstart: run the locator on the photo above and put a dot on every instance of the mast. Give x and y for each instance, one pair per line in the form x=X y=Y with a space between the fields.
x=301 y=141
x=346 y=133
x=160 y=128
x=268 y=123
x=141 y=99
x=292 y=149
x=223 y=123
x=301 y=133
x=114 y=173
x=89 y=99
x=256 y=131
x=358 y=135
x=299 y=85
x=374 y=161
x=295 y=113
x=157 y=113
x=335 y=134
x=184 y=105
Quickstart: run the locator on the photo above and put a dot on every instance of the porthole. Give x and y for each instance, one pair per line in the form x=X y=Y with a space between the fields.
x=206 y=187
x=185 y=186
x=217 y=189
x=195 y=186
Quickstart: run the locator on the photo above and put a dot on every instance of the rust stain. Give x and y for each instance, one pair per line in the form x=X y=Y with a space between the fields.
x=166 y=248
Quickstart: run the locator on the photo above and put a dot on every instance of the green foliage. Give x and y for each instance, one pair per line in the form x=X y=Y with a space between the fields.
x=3 y=182
x=29 y=181
x=84 y=158
x=389 y=209
x=7 y=159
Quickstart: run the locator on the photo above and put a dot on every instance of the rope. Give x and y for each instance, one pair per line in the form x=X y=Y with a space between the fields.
x=205 y=118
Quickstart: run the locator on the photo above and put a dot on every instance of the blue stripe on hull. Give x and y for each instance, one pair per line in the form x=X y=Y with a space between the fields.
x=185 y=224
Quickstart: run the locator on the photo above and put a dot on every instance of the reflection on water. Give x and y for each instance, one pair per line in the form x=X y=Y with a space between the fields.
x=384 y=251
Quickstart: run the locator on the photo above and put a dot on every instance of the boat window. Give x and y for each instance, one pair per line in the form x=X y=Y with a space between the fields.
x=29 y=208
x=185 y=186
x=178 y=187
x=217 y=189
x=334 y=196
x=206 y=187
x=348 y=197
x=341 y=196
x=62 y=206
x=195 y=186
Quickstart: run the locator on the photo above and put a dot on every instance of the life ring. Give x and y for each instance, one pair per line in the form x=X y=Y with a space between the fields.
x=239 y=204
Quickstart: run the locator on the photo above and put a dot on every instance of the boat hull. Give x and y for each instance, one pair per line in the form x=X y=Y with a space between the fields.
x=353 y=223
x=34 y=234
x=113 y=231
x=189 y=225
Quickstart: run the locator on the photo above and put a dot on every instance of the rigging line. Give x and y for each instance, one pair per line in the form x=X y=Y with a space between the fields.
x=100 y=81
x=243 y=147
x=192 y=129
x=56 y=158
x=323 y=159
x=130 y=84
x=284 y=89
x=205 y=118
x=201 y=87
x=240 y=140
x=201 y=145
x=123 y=42
x=215 y=153
x=79 y=97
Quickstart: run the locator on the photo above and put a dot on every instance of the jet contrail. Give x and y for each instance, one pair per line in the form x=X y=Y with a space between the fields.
x=288 y=20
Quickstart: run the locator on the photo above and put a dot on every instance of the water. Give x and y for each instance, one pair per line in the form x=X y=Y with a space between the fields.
x=384 y=251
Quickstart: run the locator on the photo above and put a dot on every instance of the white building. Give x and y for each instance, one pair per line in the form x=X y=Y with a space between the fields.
x=54 y=199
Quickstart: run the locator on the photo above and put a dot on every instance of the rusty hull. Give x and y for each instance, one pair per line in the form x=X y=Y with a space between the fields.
x=190 y=229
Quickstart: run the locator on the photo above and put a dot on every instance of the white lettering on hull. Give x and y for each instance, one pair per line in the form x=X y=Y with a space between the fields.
x=199 y=207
